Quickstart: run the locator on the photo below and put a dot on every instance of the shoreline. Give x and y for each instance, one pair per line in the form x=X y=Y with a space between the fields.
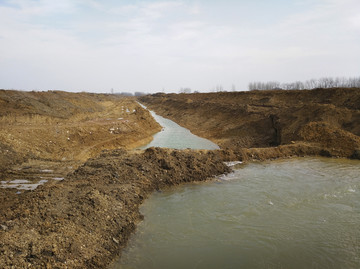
x=85 y=220
x=319 y=122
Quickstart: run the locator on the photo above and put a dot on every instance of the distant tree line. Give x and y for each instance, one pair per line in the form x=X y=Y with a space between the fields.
x=185 y=90
x=326 y=82
x=130 y=93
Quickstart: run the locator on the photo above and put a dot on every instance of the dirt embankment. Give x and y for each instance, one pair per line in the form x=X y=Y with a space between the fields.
x=67 y=128
x=85 y=220
x=270 y=124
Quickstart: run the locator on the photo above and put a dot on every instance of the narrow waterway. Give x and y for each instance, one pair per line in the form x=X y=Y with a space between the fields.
x=177 y=137
x=298 y=213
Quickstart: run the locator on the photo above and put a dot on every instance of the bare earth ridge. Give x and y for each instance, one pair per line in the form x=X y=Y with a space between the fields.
x=259 y=124
x=84 y=220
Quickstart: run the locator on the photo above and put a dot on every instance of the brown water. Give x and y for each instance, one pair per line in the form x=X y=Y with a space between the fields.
x=299 y=213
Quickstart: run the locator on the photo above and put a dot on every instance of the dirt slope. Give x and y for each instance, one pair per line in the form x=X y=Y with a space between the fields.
x=68 y=127
x=325 y=119
x=85 y=220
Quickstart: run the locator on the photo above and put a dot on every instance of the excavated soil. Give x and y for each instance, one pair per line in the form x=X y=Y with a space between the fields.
x=44 y=136
x=65 y=129
x=83 y=215
x=85 y=220
x=270 y=124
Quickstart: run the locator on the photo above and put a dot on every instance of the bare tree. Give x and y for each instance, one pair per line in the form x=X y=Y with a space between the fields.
x=139 y=94
x=185 y=90
x=219 y=88
x=325 y=82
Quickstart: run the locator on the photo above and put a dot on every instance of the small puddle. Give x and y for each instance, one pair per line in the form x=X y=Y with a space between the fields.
x=47 y=171
x=33 y=175
x=22 y=184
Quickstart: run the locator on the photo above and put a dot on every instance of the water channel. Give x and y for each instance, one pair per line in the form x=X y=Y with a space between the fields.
x=174 y=136
x=298 y=213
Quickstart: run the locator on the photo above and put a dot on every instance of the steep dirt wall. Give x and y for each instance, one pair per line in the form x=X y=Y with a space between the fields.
x=326 y=118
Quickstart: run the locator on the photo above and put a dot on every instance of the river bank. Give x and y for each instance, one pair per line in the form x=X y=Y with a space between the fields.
x=287 y=213
x=45 y=136
x=84 y=220
x=270 y=124
x=68 y=127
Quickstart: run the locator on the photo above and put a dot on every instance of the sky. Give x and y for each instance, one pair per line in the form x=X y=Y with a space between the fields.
x=154 y=46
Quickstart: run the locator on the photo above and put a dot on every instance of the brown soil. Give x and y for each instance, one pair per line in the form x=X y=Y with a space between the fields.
x=85 y=220
x=66 y=128
x=308 y=122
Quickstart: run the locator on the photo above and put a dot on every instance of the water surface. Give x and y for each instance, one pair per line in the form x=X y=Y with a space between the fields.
x=300 y=213
x=177 y=137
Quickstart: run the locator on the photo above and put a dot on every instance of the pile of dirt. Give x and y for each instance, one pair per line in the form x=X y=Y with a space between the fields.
x=65 y=127
x=85 y=220
x=322 y=118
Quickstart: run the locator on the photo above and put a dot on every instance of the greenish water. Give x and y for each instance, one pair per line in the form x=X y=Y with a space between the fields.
x=177 y=137
x=298 y=213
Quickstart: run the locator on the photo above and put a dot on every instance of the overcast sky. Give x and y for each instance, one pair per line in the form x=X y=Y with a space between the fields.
x=151 y=46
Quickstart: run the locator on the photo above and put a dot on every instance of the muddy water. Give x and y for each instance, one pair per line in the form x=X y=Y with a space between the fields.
x=300 y=213
x=177 y=137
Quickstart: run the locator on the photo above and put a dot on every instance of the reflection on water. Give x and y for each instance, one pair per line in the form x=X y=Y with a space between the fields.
x=300 y=213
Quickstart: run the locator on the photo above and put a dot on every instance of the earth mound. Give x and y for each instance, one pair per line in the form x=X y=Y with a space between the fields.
x=85 y=220
x=67 y=127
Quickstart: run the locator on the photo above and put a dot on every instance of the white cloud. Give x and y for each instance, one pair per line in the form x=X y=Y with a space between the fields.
x=354 y=21
x=140 y=45
x=194 y=10
x=41 y=7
